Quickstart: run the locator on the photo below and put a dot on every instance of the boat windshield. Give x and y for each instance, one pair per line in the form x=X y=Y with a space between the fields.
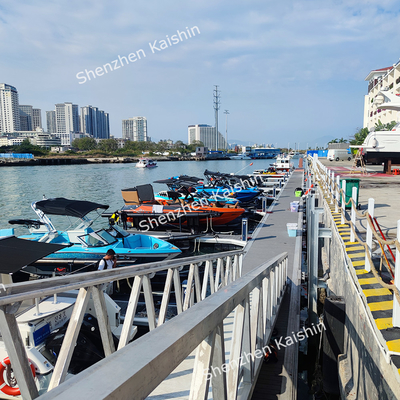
x=97 y=239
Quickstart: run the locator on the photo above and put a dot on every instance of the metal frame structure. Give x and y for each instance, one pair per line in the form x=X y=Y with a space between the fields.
x=220 y=270
x=137 y=370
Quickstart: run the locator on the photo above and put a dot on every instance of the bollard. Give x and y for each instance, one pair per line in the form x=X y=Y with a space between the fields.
x=280 y=183
x=371 y=203
x=396 y=305
x=37 y=307
x=353 y=214
x=264 y=204
x=343 y=200
x=245 y=229
x=274 y=192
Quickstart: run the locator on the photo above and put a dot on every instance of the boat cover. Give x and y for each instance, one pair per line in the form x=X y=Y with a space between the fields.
x=63 y=206
x=15 y=253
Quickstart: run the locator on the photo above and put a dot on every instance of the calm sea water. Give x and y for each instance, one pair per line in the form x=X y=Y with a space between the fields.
x=100 y=183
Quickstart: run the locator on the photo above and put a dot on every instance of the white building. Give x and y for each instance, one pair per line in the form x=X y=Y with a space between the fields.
x=206 y=134
x=68 y=138
x=379 y=79
x=67 y=118
x=9 y=111
x=135 y=129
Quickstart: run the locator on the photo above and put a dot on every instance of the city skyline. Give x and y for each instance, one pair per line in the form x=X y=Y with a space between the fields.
x=290 y=72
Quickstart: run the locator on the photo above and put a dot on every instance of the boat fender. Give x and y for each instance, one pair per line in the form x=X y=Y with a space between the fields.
x=4 y=387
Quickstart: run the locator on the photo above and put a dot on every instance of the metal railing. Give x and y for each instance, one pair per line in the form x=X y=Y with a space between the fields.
x=220 y=270
x=137 y=370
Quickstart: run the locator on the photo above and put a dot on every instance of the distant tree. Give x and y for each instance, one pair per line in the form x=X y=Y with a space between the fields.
x=359 y=137
x=85 y=144
x=27 y=147
x=108 y=145
x=341 y=140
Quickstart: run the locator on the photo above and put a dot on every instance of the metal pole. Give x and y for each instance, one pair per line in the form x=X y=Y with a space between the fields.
x=396 y=305
x=264 y=204
x=245 y=229
x=371 y=203
x=343 y=200
x=337 y=194
x=226 y=112
x=353 y=214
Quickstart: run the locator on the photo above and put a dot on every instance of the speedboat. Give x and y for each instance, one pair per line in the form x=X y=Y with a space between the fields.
x=86 y=245
x=144 y=212
x=146 y=163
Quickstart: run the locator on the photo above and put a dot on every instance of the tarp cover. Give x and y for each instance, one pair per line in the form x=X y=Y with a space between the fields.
x=73 y=208
x=16 y=253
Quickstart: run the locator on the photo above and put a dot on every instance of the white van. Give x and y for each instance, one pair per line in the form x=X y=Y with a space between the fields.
x=339 y=154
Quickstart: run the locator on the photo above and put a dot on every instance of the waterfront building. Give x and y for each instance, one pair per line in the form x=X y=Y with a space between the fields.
x=67 y=118
x=95 y=122
x=36 y=118
x=378 y=79
x=9 y=110
x=135 y=129
x=51 y=121
x=205 y=134
x=25 y=117
x=66 y=139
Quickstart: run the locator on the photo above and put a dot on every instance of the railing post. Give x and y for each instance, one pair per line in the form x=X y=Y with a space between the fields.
x=337 y=194
x=353 y=214
x=371 y=203
x=343 y=200
x=245 y=229
x=396 y=305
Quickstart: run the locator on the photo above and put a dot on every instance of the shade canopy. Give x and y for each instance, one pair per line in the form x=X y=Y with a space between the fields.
x=15 y=253
x=73 y=208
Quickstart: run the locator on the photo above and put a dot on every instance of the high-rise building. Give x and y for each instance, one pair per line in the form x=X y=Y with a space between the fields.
x=135 y=129
x=9 y=110
x=206 y=134
x=95 y=122
x=36 y=118
x=51 y=121
x=25 y=117
x=67 y=118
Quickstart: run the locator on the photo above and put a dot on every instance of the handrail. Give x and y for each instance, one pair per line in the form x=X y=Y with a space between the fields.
x=146 y=362
x=221 y=269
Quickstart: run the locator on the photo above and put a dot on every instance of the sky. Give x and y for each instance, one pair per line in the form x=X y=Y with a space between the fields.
x=288 y=72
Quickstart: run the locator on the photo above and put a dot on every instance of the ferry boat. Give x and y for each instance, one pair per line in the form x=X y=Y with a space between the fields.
x=146 y=163
x=242 y=156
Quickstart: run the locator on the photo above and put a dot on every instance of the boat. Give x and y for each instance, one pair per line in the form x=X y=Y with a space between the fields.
x=144 y=212
x=242 y=156
x=283 y=164
x=294 y=154
x=146 y=163
x=383 y=146
x=86 y=245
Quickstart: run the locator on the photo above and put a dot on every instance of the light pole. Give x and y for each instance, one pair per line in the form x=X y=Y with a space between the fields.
x=226 y=112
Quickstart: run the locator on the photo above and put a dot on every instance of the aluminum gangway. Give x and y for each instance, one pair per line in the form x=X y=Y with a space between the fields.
x=134 y=370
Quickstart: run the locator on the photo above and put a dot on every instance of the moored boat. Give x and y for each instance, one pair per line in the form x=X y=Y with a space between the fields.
x=146 y=163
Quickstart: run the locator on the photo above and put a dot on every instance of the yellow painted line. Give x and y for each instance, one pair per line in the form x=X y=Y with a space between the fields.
x=343 y=226
x=361 y=272
x=345 y=233
x=384 y=323
x=352 y=244
x=368 y=281
x=377 y=292
x=356 y=255
x=381 y=305
x=393 y=345
x=354 y=248
x=358 y=263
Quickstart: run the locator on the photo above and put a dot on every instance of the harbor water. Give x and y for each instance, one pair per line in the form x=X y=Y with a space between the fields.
x=100 y=183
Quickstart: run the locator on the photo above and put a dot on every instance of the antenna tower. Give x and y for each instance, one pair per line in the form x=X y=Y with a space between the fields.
x=217 y=102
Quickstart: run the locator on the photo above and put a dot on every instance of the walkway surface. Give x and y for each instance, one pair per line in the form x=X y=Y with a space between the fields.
x=270 y=239
x=279 y=380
